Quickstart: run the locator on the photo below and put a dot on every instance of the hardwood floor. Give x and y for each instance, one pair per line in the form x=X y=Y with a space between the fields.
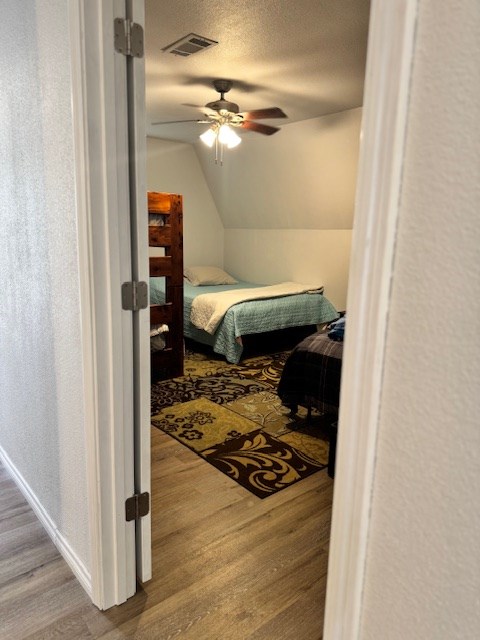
x=227 y=565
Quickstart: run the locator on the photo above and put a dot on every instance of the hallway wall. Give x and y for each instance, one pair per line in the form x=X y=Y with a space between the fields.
x=42 y=437
x=423 y=560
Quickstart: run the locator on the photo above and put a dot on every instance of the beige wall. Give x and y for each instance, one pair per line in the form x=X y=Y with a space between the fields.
x=42 y=429
x=308 y=256
x=303 y=177
x=173 y=167
x=285 y=204
x=423 y=564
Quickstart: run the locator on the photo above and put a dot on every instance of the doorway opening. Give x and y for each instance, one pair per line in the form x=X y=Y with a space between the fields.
x=265 y=559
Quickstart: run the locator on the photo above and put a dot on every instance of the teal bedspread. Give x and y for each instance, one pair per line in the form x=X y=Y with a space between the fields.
x=254 y=316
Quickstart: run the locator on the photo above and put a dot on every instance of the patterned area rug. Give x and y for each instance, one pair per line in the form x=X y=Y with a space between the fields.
x=231 y=416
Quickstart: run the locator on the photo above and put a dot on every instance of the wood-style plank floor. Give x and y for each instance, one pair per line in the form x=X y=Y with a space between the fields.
x=227 y=565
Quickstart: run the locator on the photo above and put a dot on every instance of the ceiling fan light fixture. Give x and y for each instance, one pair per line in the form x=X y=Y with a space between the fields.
x=227 y=136
x=208 y=137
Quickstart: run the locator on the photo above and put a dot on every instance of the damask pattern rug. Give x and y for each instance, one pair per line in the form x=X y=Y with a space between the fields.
x=231 y=416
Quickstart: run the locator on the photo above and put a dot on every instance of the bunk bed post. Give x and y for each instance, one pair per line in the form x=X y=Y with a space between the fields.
x=176 y=284
x=168 y=363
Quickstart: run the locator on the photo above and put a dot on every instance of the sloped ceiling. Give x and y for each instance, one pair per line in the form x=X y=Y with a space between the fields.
x=306 y=57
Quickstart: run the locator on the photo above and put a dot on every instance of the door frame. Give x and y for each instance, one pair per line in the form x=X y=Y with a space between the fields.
x=100 y=123
x=101 y=206
x=384 y=123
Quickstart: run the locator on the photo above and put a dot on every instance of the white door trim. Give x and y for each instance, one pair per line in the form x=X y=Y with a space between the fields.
x=102 y=198
x=389 y=61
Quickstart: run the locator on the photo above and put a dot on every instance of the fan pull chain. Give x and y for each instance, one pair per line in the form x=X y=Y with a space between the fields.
x=216 y=151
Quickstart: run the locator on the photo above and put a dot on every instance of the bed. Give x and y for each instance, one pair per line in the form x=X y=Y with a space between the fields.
x=311 y=378
x=251 y=317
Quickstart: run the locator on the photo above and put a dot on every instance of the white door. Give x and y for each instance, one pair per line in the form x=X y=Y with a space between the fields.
x=129 y=66
x=108 y=108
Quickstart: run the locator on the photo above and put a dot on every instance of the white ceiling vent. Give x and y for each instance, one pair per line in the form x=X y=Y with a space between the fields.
x=189 y=45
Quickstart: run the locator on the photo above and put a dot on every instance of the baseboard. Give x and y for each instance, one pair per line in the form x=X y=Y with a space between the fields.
x=64 y=548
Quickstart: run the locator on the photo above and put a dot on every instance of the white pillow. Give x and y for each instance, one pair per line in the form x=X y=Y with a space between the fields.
x=198 y=276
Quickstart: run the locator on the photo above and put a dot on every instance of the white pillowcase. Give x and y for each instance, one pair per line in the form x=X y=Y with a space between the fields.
x=198 y=276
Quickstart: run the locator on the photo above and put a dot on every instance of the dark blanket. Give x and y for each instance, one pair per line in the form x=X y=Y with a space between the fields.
x=311 y=375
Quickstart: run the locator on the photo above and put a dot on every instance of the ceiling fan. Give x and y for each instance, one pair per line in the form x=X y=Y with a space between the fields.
x=222 y=112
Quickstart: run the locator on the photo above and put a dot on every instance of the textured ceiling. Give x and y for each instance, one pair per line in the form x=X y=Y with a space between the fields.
x=306 y=57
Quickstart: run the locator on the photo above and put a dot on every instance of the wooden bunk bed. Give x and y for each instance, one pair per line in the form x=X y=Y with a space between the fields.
x=165 y=229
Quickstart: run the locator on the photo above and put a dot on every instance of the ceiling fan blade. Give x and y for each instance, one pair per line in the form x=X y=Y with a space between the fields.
x=259 y=128
x=178 y=121
x=264 y=114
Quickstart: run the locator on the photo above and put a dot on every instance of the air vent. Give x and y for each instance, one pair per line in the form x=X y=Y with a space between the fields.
x=189 y=45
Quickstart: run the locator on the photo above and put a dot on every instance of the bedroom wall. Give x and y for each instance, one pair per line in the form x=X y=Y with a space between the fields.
x=423 y=563
x=275 y=255
x=287 y=201
x=173 y=167
x=41 y=394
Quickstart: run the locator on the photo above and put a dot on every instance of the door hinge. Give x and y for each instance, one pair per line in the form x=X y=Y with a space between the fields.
x=128 y=37
x=137 y=506
x=134 y=296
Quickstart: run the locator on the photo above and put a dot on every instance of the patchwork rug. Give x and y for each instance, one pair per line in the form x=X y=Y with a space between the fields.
x=231 y=416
